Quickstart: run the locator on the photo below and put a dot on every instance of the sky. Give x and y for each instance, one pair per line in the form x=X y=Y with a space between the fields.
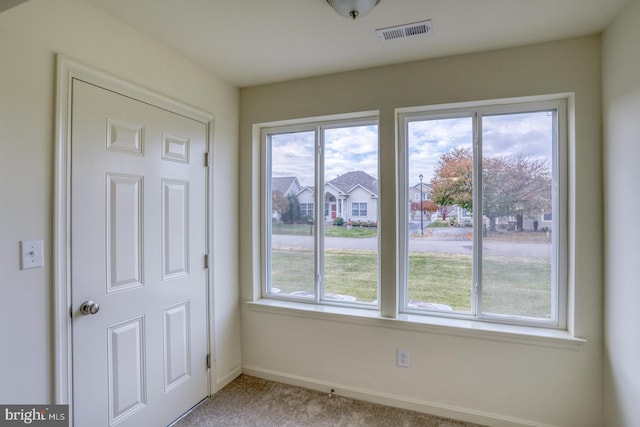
x=356 y=147
x=505 y=134
x=346 y=149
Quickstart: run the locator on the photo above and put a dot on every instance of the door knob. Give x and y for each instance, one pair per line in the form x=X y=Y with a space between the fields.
x=89 y=307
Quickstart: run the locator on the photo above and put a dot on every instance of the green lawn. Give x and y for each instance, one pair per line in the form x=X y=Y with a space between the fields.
x=516 y=286
x=440 y=278
x=522 y=284
x=351 y=273
x=329 y=230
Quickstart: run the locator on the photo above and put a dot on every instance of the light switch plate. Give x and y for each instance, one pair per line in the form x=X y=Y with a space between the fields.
x=31 y=254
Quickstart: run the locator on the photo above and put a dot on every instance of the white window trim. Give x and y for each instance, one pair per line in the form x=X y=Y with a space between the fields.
x=560 y=206
x=385 y=317
x=316 y=124
x=471 y=329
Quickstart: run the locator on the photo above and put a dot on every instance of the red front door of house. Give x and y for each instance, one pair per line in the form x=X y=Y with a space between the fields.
x=333 y=211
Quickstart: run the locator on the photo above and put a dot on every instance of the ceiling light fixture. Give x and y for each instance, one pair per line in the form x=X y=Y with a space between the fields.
x=353 y=8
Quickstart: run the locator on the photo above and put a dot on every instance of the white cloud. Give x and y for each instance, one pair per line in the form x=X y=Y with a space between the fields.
x=505 y=134
x=346 y=149
x=349 y=149
x=292 y=154
x=429 y=139
x=356 y=147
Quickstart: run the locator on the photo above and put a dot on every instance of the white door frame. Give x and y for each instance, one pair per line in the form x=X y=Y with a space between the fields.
x=68 y=70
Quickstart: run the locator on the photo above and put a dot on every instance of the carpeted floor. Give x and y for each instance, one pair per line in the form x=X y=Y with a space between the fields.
x=250 y=401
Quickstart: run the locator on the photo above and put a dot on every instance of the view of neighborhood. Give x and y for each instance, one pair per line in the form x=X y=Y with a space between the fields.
x=516 y=226
x=353 y=197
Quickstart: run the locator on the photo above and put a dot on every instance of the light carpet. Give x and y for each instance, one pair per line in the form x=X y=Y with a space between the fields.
x=250 y=401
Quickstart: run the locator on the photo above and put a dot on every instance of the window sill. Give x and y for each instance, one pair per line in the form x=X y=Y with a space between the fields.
x=430 y=324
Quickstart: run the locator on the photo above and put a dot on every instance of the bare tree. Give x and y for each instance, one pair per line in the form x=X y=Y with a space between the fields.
x=279 y=202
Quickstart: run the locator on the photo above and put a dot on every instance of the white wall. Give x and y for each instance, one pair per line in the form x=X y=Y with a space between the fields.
x=30 y=36
x=470 y=377
x=621 y=108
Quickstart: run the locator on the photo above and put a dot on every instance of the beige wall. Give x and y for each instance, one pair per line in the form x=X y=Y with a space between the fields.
x=30 y=36
x=477 y=379
x=621 y=108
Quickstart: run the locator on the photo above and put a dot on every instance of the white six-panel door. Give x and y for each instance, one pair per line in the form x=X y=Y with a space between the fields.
x=138 y=240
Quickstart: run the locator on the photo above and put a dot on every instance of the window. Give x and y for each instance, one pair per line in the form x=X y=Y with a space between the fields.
x=324 y=261
x=306 y=209
x=493 y=171
x=359 y=209
x=481 y=202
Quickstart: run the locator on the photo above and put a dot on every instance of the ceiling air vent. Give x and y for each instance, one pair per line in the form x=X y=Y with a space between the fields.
x=417 y=29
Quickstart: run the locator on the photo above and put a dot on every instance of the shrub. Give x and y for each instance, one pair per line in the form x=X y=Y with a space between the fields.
x=338 y=221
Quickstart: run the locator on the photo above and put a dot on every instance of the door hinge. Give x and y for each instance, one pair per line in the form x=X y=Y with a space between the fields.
x=206 y=260
x=206 y=160
x=208 y=361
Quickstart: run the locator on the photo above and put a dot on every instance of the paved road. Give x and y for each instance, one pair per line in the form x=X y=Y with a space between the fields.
x=437 y=243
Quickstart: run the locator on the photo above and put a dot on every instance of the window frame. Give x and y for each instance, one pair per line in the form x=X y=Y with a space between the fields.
x=359 y=209
x=317 y=125
x=306 y=210
x=477 y=110
x=391 y=293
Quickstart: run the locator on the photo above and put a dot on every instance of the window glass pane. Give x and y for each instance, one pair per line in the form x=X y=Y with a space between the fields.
x=516 y=204
x=291 y=251
x=440 y=240
x=351 y=214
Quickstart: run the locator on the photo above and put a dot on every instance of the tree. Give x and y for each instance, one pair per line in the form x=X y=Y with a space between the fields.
x=445 y=211
x=427 y=207
x=511 y=185
x=515 y=186
x=452 y=182
x=279 y=202
x=292 y=214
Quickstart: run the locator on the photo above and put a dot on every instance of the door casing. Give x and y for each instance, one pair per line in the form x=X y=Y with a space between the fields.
x=68 y=70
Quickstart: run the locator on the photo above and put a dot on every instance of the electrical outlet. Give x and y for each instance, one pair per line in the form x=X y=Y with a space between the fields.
x=402 y=358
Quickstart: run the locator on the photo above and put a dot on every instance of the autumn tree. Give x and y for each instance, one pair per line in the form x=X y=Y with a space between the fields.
x=427 y=206
x=512 y=185
x=452 y=182
x=445 y=211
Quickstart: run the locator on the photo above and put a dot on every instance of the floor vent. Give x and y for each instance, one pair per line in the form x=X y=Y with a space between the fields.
x=417 y=29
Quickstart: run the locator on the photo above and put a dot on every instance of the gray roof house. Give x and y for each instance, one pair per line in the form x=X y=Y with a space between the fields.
x=286 y=185
x=351 y=196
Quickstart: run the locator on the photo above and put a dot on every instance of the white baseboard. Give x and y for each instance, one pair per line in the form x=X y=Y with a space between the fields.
x=220 y=383
x=433 y=408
